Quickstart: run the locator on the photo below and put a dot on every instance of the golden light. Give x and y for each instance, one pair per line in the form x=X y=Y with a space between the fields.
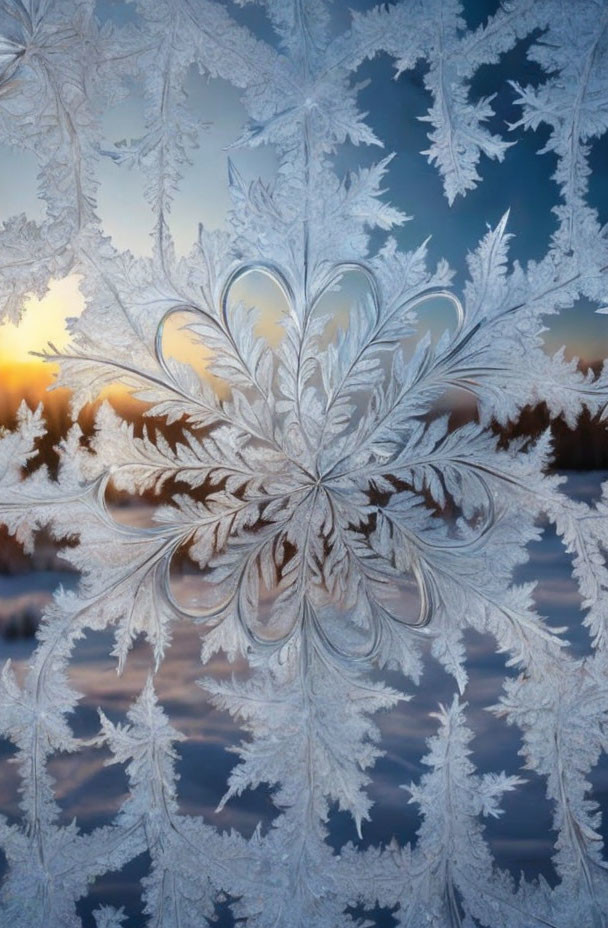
x=43 y=321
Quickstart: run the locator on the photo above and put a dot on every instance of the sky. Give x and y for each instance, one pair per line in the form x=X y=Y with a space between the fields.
x=522 y=183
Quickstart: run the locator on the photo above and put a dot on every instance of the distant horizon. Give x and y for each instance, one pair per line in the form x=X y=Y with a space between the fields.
x=581 y=448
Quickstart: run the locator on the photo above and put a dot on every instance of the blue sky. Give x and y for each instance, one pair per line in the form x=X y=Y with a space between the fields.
x=522 y=183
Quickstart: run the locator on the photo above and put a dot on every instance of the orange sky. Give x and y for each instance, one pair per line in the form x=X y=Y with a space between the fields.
x=24 y=376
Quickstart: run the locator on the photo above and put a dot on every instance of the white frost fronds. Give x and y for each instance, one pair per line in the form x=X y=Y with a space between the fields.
x=342 y=523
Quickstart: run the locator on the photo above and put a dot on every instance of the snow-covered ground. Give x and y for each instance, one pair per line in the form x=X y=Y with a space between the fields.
x=521 y=839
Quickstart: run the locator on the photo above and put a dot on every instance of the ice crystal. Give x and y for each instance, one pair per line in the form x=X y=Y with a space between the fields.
x=340 y=523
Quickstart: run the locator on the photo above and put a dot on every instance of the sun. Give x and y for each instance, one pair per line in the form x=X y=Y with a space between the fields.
x=43 y=321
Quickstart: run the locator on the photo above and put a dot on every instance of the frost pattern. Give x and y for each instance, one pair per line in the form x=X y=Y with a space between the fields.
x=313 y=488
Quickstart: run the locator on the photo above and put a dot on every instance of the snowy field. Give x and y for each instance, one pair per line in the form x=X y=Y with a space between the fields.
x=92 y=792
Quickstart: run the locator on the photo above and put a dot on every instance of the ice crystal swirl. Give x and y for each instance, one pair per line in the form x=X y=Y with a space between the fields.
x=309 y=502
